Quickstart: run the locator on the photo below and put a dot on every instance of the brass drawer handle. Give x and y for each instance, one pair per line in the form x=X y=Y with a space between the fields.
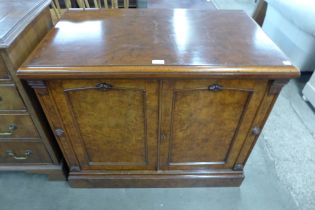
x=27 y=154
x=12 y=127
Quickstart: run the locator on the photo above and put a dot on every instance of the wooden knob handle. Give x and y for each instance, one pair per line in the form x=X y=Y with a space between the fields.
x=256 y=131
x=59 y=132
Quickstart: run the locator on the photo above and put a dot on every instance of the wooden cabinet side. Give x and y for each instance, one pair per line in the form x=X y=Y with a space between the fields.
x=269 y=99
x=49 y=107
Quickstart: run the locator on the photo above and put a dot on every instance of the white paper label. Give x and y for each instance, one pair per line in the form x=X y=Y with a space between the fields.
x=158 y=62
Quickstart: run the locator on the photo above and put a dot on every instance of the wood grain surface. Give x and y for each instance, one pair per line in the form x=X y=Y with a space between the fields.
x=113 y=43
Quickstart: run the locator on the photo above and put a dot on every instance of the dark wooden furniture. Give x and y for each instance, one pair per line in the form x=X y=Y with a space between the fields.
x=25 y=139
x=156 y=98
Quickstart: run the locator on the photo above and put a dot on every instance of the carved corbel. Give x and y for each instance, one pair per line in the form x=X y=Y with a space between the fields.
x=276 y=86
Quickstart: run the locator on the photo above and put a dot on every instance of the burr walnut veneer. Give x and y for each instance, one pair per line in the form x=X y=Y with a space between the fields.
x=156 y=98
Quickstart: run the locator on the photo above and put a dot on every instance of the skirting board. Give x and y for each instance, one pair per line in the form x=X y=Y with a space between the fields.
x=154 y=181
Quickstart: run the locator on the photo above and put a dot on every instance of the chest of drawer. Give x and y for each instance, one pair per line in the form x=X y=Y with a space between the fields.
x=17 y=126
x=10 y=99
x=26 y=152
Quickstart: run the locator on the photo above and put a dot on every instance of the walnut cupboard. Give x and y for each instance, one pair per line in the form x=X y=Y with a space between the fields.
x=123 y=121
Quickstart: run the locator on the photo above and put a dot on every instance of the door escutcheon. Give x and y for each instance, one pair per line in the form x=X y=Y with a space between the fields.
x=215 y=87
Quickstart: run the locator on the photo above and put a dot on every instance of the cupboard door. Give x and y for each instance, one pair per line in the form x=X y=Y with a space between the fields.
x=205 y=122
x=111 y=124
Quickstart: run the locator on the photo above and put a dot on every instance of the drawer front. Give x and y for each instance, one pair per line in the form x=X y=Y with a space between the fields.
x=23 y=152
x=10 y=98
x=17 y=126
x=4 y=74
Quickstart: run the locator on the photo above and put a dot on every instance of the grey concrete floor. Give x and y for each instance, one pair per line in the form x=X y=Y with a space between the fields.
x=261 y=190
x=279 y=176
x=289 y=141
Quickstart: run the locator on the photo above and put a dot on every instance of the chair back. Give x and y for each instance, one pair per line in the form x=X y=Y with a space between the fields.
x=59 y=6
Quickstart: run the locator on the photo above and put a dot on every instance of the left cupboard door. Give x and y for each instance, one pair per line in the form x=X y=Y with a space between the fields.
x=111 y=124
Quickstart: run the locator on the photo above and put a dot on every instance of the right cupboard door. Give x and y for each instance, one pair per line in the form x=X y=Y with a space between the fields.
x=205 y=122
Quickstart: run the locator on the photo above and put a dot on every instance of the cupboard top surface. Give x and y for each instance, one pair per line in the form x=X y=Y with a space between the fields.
x=157 y=40
x=15 y=15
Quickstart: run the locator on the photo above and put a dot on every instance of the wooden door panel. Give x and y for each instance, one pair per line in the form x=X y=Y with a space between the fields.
x=195 y=122
x=110 y=124
x=203 y=128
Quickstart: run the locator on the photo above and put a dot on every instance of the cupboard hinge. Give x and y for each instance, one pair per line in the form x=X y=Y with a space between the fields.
x=163 y=137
